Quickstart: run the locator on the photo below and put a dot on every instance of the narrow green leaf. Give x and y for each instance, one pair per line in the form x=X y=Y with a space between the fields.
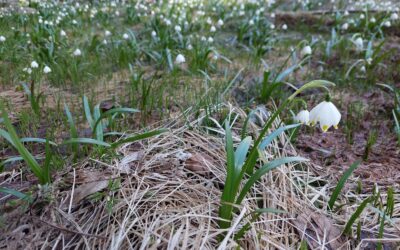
x=39 y=140
x=16 y=193
x=275 y=134
x=355 y=215
x=138 y=137
x=98 y=130
x=86 y=141
x=111 y=112
x=262 y=171
x=29 y=159
x=227 y=198
x=240 y=155
x=88 y=113
x=341 y=183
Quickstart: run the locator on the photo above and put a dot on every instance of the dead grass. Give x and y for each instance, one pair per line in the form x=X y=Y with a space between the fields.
x=168 y=198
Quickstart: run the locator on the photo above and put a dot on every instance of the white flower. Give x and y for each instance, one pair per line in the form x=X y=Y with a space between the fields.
x=77 y=52
x=2 y=39
x=213 y=29
x=220 y=23
x=394 y=16
x=284 y=27
x=251 y=22
x=362 y=16
x=272 y=26
x=359 y=43
x=107 y=33
x=210 y=39
x=178 y=28
x=27 y=70
x=387 y=24
x=62 y=33
x=125 y=36
x=345 y=26
x=306 y=51
x=153 y=33
x=372 y=20
x=303 y=117
x=326 y=114
x=34 y=65
x=180 y=59
x=46 y=69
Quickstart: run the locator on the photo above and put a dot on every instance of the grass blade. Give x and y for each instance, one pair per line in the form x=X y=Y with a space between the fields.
x=262 y=171
x=275 y=134
x=91 y=141
x=227 y=198
x=355 y=215
x=341 y=183
x=16 y=193
x=138 y=137
x=25 y=154
x=88 y=112
x=111 y=112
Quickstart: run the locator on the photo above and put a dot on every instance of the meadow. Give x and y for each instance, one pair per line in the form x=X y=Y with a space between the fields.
x=200 y=124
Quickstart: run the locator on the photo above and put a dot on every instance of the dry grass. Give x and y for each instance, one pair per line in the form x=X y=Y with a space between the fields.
x=168 y=198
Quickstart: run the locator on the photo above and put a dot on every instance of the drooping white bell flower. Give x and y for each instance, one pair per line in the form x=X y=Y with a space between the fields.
x=62 y=33
x=220 y=23
x=306 y=51
x=303 y=117
x=125 y=36
x=77 y=52
x=213 y=29
x=180 y=59
x=178 y=28
x=2 y=39
x=46 y=69
x=345 y=26
x=107 y=33
x=284 y=26
x=359 y=43
x=387 y=24
x=326 y=114
x=394 y=16
x=34 y=65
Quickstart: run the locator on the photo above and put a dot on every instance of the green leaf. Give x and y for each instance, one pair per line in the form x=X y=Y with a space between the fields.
x=227 y=198
x=262 y=171
x=355 y=215
x=275 y=134
x=98 y=130
x=16 y=193
x=88 y=112
x=26 y=155
x=138 y=137
x=86 y=141
x=39 y=140
x=341 y=183
x=111 y=112
x=72 y=128
x=240 y=155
